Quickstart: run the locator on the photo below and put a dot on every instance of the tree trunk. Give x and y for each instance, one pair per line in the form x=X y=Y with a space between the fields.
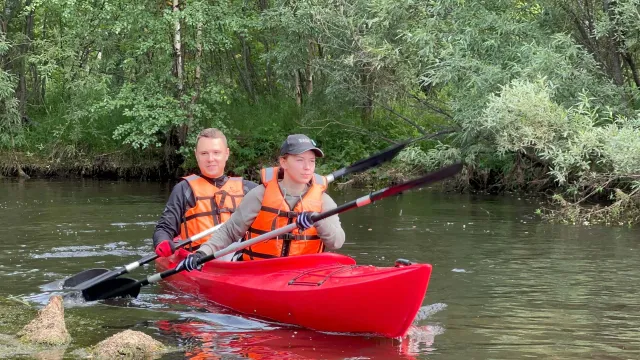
x=33 y=92
x=22 y=89
x=606 y=49
x=269 y=76
x=197 y=79
x=634 y=68
x=28 y=30
x=249 y=73
x=21 y=68
x=21 y=173
x=613 y=48
x=298 y=87
x=43 y=81
x=269 y=69
x=618 y=37
x=263 y=5
x=367 y=89
x=178 y=67
x=10 y=8
x=246 y=83
x=177 y=50
x=308 y=68
x=198 y=75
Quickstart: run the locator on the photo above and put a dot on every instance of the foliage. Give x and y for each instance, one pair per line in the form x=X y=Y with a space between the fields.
x=574 y=143
x=11 y=133
x=532 y=95
x=624 y=210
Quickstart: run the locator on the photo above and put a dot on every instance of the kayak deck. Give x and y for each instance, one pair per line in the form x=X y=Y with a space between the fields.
x=325 y=292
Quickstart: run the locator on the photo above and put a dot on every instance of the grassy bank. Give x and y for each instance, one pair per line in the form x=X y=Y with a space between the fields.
x=115 y=165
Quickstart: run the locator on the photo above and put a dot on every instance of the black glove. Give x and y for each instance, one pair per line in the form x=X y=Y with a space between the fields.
x=304 y=220
x=191 y=262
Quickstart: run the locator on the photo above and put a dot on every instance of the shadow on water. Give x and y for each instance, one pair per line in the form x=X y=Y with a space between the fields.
x=504 y=285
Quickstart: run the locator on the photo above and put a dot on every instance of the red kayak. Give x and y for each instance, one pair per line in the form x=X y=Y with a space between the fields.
x=324 y=292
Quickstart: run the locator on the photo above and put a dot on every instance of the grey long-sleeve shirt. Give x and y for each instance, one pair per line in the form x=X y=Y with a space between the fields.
x=329 y=229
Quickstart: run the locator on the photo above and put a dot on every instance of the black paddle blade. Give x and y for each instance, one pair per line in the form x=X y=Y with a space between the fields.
x=81 y=277
x=372 y=161
x=379 y=158
x=98 y=279
x=435 y=176
x=112 y=288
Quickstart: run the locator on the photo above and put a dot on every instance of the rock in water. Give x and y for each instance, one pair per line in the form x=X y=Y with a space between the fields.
x=48 y=328
x=128 y=344
x=50 y=354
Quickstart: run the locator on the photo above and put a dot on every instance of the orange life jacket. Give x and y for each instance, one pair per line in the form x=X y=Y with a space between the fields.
x=213 y=206
x=275 y=213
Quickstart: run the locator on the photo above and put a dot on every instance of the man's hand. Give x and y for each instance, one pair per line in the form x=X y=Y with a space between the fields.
x=191 y=262
x=304 y=220
x=165 y=248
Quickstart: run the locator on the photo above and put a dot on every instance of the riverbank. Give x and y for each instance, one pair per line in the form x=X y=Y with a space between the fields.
x=618 y=208
x=114 y=165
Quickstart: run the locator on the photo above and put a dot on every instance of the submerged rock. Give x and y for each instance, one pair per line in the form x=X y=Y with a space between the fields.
x=48 y=328
x=14 y=313
x=12 y=347
x=129 y=344
x=50 y=354
x=46 y=336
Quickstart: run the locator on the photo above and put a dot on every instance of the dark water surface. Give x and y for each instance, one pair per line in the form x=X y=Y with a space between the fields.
x=504 y=285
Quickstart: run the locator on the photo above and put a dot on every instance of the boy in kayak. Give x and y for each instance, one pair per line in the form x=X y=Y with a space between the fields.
x=200 y=202
x=289 y=193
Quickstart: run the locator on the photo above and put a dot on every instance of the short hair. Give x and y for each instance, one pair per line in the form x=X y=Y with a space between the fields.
x=212 y=133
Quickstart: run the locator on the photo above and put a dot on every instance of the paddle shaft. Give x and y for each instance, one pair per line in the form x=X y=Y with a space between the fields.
x=362 y=201
x=134 y=265
x=145 y=260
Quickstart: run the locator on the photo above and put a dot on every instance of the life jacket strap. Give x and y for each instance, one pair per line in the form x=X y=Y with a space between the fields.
x=281 y=213
x=287 y=236
x=253 y=254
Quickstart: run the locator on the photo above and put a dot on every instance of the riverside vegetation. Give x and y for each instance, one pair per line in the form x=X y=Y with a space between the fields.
x=535 y=96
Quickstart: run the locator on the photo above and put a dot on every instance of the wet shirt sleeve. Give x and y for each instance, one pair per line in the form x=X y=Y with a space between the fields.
x=329 y=229
x=238 y=224
x=180 y=200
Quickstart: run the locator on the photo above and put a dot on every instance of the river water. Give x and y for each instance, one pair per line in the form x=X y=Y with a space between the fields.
x=504 y=284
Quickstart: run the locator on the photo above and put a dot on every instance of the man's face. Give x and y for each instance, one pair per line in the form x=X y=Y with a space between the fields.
x=212 y=156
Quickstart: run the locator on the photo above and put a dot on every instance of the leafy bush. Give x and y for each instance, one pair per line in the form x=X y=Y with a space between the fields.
x=11 y=133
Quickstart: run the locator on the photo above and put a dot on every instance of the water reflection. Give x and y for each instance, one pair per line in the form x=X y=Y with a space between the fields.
x=208 y=331
x=204 y=341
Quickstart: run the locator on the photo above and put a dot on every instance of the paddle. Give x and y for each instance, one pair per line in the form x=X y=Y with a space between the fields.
x=91 y=277
x=74 y=284
x=83 y=276
x=130 y=287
